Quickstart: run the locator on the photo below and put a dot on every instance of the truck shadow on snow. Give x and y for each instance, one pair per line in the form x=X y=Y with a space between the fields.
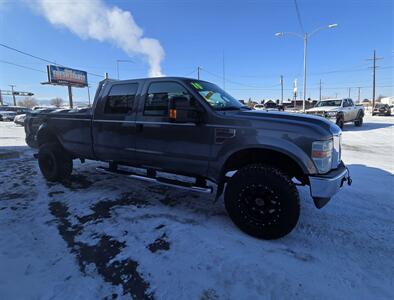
x=366 y=126
x=161 y=211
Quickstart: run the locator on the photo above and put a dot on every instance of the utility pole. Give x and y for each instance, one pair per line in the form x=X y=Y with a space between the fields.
x=198 y=72
x=320 y=91
x=281 y=89
x=1 y=99
x=70 y=96
x=349 y=92
x=374 y=59
x=13 y=93
x=359 y=92
x=117 y=67
x=89 y=95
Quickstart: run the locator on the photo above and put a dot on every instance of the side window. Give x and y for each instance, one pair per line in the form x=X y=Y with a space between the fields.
x=120 y=98
x=156 y=102
x=350 y=102
x=345 y=103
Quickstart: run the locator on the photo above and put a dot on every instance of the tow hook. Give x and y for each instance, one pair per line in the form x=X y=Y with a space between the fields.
x=347 y=179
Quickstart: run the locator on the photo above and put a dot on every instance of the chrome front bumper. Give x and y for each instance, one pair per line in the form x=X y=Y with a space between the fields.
x=323 y=187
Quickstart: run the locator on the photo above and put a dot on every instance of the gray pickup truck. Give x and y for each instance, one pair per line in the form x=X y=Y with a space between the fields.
x=195 y=129
x=340 y=111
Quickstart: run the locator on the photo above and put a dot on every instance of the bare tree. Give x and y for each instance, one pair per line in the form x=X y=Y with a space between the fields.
x=58 y=102
x=28 y=102
x=379 y=99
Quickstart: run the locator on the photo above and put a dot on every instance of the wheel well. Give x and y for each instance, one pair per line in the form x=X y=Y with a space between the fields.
x=265 y=156
x=45 y=136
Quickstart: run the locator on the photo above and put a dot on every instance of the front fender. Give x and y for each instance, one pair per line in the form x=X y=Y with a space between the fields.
x=281 y=145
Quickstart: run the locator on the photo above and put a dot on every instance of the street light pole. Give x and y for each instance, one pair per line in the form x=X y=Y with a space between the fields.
x=305 y=36
x=304 y=89
x=13 y=93
x=117 y=64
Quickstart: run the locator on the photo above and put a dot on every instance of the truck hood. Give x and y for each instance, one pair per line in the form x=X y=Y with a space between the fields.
x=324 y=108
x=298 y=119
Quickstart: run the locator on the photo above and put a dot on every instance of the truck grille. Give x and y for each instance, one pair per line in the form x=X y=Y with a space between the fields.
x=336 y=152
x=317 y=113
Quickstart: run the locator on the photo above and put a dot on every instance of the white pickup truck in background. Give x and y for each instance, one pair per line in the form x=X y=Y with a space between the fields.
x=339 y=111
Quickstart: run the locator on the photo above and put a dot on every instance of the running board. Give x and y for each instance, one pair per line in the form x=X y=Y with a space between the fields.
x=159 y=180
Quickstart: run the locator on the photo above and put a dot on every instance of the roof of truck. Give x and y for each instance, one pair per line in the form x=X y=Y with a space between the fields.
x=155 y=78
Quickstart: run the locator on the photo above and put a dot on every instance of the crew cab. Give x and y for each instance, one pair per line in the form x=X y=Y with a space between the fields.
x=194 y=129
x=340 y=111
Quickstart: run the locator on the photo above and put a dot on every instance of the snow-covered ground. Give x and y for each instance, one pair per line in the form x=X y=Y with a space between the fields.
x=102 y=236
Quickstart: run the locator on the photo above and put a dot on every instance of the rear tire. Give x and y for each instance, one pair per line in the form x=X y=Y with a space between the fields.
x=54 y=162
x=262 y=202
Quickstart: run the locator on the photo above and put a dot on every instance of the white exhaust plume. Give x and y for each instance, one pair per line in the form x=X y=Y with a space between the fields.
x=94 y=19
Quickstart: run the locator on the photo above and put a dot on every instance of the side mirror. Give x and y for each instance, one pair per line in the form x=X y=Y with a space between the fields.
x=182 y=110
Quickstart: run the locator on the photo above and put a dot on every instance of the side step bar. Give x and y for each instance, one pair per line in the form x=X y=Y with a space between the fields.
x=159 y=180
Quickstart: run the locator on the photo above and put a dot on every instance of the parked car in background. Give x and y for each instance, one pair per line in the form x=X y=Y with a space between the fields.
x=44 y=107
x=17 y=109
x=259 y=107
x=382 y=110
x=268 y=106
x=340 y=111
x=20 y=119
x=272 y=106
x=7 y=115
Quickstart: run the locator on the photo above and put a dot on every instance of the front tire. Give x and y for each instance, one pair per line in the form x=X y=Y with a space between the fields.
x=340 y=122
x=262 y=201
x=54 y=162
x=359 y=122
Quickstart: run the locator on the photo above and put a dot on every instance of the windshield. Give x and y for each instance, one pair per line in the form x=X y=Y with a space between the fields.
x=329 y=103
x=215 y=96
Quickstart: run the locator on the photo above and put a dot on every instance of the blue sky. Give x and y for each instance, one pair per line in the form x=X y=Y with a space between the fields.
x=198 y=33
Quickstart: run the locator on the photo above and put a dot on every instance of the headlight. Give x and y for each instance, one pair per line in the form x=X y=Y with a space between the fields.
x=322 y=155
x=331 y=114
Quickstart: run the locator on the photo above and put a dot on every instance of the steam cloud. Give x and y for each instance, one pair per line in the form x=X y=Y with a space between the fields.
x=93 y=19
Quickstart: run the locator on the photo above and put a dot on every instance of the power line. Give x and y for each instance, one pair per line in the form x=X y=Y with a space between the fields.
x=235 y=82
x=28 y=54
x=40 y=58
x=190 y=73
x=299 y=16
x=21 y=66
x=316 y=88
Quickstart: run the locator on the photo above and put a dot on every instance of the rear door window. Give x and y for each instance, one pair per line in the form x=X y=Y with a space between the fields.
x=121 y=98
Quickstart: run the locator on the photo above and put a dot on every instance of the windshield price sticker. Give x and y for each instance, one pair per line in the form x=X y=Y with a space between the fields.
x=196 y=85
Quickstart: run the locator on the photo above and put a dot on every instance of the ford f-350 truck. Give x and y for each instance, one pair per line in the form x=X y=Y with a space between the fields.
x=195 y=129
